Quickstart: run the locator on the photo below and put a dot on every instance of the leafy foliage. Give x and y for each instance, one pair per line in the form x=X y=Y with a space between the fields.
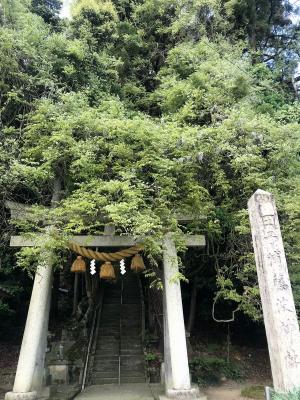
x=145 y=109
x=254 y=392
x=47 y=9
x=293 y=395
x=210 y=369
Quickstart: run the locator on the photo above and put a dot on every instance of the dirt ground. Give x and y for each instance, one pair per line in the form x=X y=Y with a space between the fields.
x=256 y=367
x=229 y=390
x=8 y=363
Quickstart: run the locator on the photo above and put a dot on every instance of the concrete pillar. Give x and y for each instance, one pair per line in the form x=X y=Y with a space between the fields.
x=177 y=374
x=30 y=370
x=280 y=317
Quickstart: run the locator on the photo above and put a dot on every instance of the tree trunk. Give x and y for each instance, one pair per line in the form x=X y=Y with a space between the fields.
x=76 y=293
x=55 y=295
x=252 y=27
x=193 y=305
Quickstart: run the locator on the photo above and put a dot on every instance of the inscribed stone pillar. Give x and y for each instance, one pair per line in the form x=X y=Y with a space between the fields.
x=30 y=369
x=280 y=317
x=177 y=374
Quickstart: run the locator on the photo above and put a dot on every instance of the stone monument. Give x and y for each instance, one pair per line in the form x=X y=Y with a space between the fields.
x=280 y=317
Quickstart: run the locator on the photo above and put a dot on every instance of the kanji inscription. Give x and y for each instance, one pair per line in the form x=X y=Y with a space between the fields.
x=280 y=317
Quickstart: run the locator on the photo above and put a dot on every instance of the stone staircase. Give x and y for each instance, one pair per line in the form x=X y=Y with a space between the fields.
x=118 y=356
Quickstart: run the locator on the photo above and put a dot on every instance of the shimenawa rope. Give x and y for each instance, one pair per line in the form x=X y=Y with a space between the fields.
x=96 y=255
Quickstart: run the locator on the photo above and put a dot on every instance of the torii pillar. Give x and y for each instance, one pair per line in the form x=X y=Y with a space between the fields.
x=28 y=383
x=177 y=373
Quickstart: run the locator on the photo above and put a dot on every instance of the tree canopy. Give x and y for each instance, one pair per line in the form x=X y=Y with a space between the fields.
x=146 y=108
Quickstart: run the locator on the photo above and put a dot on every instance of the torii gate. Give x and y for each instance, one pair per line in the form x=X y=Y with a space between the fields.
x=28 y=383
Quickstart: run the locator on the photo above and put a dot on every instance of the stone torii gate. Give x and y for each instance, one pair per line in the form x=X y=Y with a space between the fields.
x=28 y=383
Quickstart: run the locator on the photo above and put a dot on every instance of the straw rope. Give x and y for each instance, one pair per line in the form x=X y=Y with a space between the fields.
x=96 y=255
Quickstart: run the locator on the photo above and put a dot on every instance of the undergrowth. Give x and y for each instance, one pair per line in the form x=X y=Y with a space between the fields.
x=210 y=369
x=293 y=395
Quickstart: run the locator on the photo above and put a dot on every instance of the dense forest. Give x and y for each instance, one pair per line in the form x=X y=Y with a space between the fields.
x=137 y=110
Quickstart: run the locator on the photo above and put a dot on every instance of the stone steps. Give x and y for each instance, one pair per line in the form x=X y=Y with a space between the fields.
x=106 y=362
x=103 y=381
x=105 y=374
x=133 y=379
x=119 y=347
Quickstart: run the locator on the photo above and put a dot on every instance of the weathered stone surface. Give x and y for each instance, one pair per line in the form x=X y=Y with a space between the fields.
x=190 y=394
x=21 y=396
x=103 y=241
x=59 y=373
x=177 y=375
x=30 y=369
x=280 y=317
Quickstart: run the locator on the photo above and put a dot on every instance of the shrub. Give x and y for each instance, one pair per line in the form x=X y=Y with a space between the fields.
x=210 y=369
x=254 y=392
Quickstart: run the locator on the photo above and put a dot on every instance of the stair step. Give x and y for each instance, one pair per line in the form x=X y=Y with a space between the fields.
x=136 y=373
x=132 y=379
x=134 y=343
x=104 y=381
x=132 y=308
x=107 y=352
x=132 y=321
x=106 y=349
x=106 y=374
x=127 y=343
x=103 y=364
x=126 y=329
x=138 y=367
x=111 y=341
x=135 y=332
x=131 y=352
x=114 y=327
x=112 y=301
x=105 y=359
x=105 y=328
x=132 y=364
x=103 y=344
x=113 y=370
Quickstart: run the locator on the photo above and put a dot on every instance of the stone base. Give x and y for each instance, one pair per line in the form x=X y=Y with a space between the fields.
x=44 y=392
x=59 y=373
x=189 y=394
x=21 y=396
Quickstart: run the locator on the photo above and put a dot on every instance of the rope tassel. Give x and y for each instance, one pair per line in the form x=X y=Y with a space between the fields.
x=107 y=271
x=137 y=263
x=78 y=265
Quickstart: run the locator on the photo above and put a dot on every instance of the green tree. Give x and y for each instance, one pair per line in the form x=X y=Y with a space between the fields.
x=266 y=25
x=146 y=108
x=47 y=9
